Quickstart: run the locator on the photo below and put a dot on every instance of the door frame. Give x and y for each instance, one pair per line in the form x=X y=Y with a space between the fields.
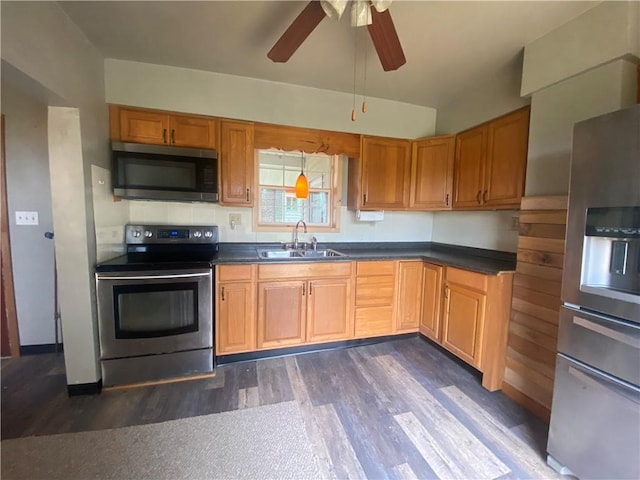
x=5 y=255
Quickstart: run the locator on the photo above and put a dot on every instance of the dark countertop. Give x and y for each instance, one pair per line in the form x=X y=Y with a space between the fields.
x=475 y=259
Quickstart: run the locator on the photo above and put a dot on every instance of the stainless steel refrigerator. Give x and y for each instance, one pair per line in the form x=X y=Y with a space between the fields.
x=595 y=414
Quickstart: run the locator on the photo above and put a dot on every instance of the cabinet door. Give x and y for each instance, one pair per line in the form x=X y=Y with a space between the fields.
x=281 y=313
x=469 y=168
x=506 y=160
x=409 y=304
x=432 y=173
x=144 y=127
x=431 y=301
x=328 y=310
x=463 y=322
x=386 y=167
x=196 y=132
x=236 y=163
x=236 y=330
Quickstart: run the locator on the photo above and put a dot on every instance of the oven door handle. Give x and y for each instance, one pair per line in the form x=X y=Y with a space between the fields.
x=153 y=277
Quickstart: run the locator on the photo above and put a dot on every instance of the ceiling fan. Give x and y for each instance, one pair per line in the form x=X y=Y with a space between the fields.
x=372 y=13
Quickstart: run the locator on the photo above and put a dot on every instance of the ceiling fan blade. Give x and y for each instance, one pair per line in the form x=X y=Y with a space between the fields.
x=385 y=39
x=297 y=32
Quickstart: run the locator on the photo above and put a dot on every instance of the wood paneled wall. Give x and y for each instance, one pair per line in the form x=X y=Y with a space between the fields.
x=533 y=328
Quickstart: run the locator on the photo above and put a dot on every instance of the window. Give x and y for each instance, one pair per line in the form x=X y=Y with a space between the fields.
x=277 y=202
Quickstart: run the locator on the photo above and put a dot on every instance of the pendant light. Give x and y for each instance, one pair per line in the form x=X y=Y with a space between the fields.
x=302 y=185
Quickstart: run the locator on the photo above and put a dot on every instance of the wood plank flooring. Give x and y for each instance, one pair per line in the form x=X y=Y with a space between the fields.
x=399 y=409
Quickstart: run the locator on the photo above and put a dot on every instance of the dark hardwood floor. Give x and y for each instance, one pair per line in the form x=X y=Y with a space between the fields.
x=399 y=409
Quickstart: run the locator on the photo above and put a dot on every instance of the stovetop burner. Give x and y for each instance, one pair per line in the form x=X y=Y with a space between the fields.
x=165 y=247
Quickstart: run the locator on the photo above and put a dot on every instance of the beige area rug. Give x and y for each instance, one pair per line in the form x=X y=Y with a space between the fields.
x=256 y=443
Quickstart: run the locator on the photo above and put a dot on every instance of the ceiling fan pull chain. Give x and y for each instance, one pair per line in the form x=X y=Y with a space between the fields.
x=355 y=58
x=364 y=82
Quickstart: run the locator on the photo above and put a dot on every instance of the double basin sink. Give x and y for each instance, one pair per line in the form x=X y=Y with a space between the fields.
x=297 y=254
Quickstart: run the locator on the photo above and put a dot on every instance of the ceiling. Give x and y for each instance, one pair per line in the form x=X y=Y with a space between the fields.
x=450 y=46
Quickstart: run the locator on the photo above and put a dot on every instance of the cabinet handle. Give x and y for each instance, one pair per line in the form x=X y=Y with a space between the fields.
x=173 y=136
x=446 y=200
x=364 y=199
x=484 y=196
x=164 y=135
x=478 y=196
x=446 y=292
x=304 y=288
x=222 y=293
x=310 y=288
x=247 y=194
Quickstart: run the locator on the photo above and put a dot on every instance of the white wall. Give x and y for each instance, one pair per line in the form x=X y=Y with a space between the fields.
x=607 y=32
x=207 y=93
x=554 y=111
x=39 y=40
x=110 y=216
x=27 y=163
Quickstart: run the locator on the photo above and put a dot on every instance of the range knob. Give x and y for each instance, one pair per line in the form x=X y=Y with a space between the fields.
x=208 y=234
x=197 y=234
x=136 y=233
x=148 y=233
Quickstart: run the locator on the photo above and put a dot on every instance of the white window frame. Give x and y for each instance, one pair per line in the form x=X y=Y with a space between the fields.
x=335 y=197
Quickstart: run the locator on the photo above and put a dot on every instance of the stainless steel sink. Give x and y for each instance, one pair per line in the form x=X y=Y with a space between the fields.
x=299 y=254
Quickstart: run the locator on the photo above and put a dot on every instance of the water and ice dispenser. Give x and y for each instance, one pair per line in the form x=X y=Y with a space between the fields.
x=611 y=253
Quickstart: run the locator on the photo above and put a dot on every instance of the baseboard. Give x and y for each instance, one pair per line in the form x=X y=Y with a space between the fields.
x=93 y=388
x=470 y=368
x=281 y=352
x=40 y=349
x=539 y=410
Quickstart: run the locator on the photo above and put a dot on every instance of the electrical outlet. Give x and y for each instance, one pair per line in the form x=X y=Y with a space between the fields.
x=26 y=218
x=234 y=220
x=515 y=223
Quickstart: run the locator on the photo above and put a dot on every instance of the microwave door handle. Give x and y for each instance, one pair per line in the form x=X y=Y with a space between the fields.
x=152 y=277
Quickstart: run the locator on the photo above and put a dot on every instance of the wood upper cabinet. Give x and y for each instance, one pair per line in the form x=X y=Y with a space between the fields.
x=430 y=321
x=163 y=128
x=236 y=163
x=380 y=179
x=409 y=303
x=235 y=309
x=490 y=163
x=432 y=173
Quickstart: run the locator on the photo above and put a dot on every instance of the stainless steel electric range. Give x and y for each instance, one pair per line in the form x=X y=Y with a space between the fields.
x=155 y=304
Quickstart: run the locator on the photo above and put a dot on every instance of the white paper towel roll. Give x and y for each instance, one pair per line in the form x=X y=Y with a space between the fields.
x=370 y=216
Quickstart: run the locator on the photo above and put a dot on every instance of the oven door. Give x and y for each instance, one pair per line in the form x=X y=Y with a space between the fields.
x=154 y=312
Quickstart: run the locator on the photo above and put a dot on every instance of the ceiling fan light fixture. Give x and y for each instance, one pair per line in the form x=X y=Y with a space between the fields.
x=360 y=13
x=334 y=8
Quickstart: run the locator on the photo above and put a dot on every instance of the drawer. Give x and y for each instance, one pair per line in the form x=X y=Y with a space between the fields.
x=607 y=344
x=304 y=270
x=234 y=273
x=370 y=321
x=376 y=268
x=377 y=290
x=469 y=279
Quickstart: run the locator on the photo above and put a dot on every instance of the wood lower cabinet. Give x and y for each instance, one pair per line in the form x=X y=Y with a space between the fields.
x=304 y=303
x=430 y=321
x=235 y=309
x=375 y=298
x=281 y=313
x=236 y=163
x=409 y=304
x=475 y=321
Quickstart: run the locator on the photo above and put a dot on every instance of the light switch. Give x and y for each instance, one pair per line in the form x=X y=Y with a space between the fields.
x=26 y=218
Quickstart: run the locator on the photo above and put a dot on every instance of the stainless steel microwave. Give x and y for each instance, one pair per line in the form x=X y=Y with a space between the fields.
x=157 y=172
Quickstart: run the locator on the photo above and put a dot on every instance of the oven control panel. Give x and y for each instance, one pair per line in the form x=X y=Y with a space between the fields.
x=159 y=234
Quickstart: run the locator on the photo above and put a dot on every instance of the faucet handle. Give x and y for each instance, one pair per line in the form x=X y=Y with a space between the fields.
x=314 y=243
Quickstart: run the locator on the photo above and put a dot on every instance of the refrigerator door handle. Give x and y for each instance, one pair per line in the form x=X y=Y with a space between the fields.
x=607 y=332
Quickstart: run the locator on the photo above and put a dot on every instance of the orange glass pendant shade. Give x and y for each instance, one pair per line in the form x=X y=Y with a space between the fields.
x=302 y=186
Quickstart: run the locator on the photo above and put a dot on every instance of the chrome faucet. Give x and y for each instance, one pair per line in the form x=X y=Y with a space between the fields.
x=295 y=236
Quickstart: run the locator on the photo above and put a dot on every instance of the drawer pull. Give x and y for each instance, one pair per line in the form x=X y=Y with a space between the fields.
x=607 y=332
